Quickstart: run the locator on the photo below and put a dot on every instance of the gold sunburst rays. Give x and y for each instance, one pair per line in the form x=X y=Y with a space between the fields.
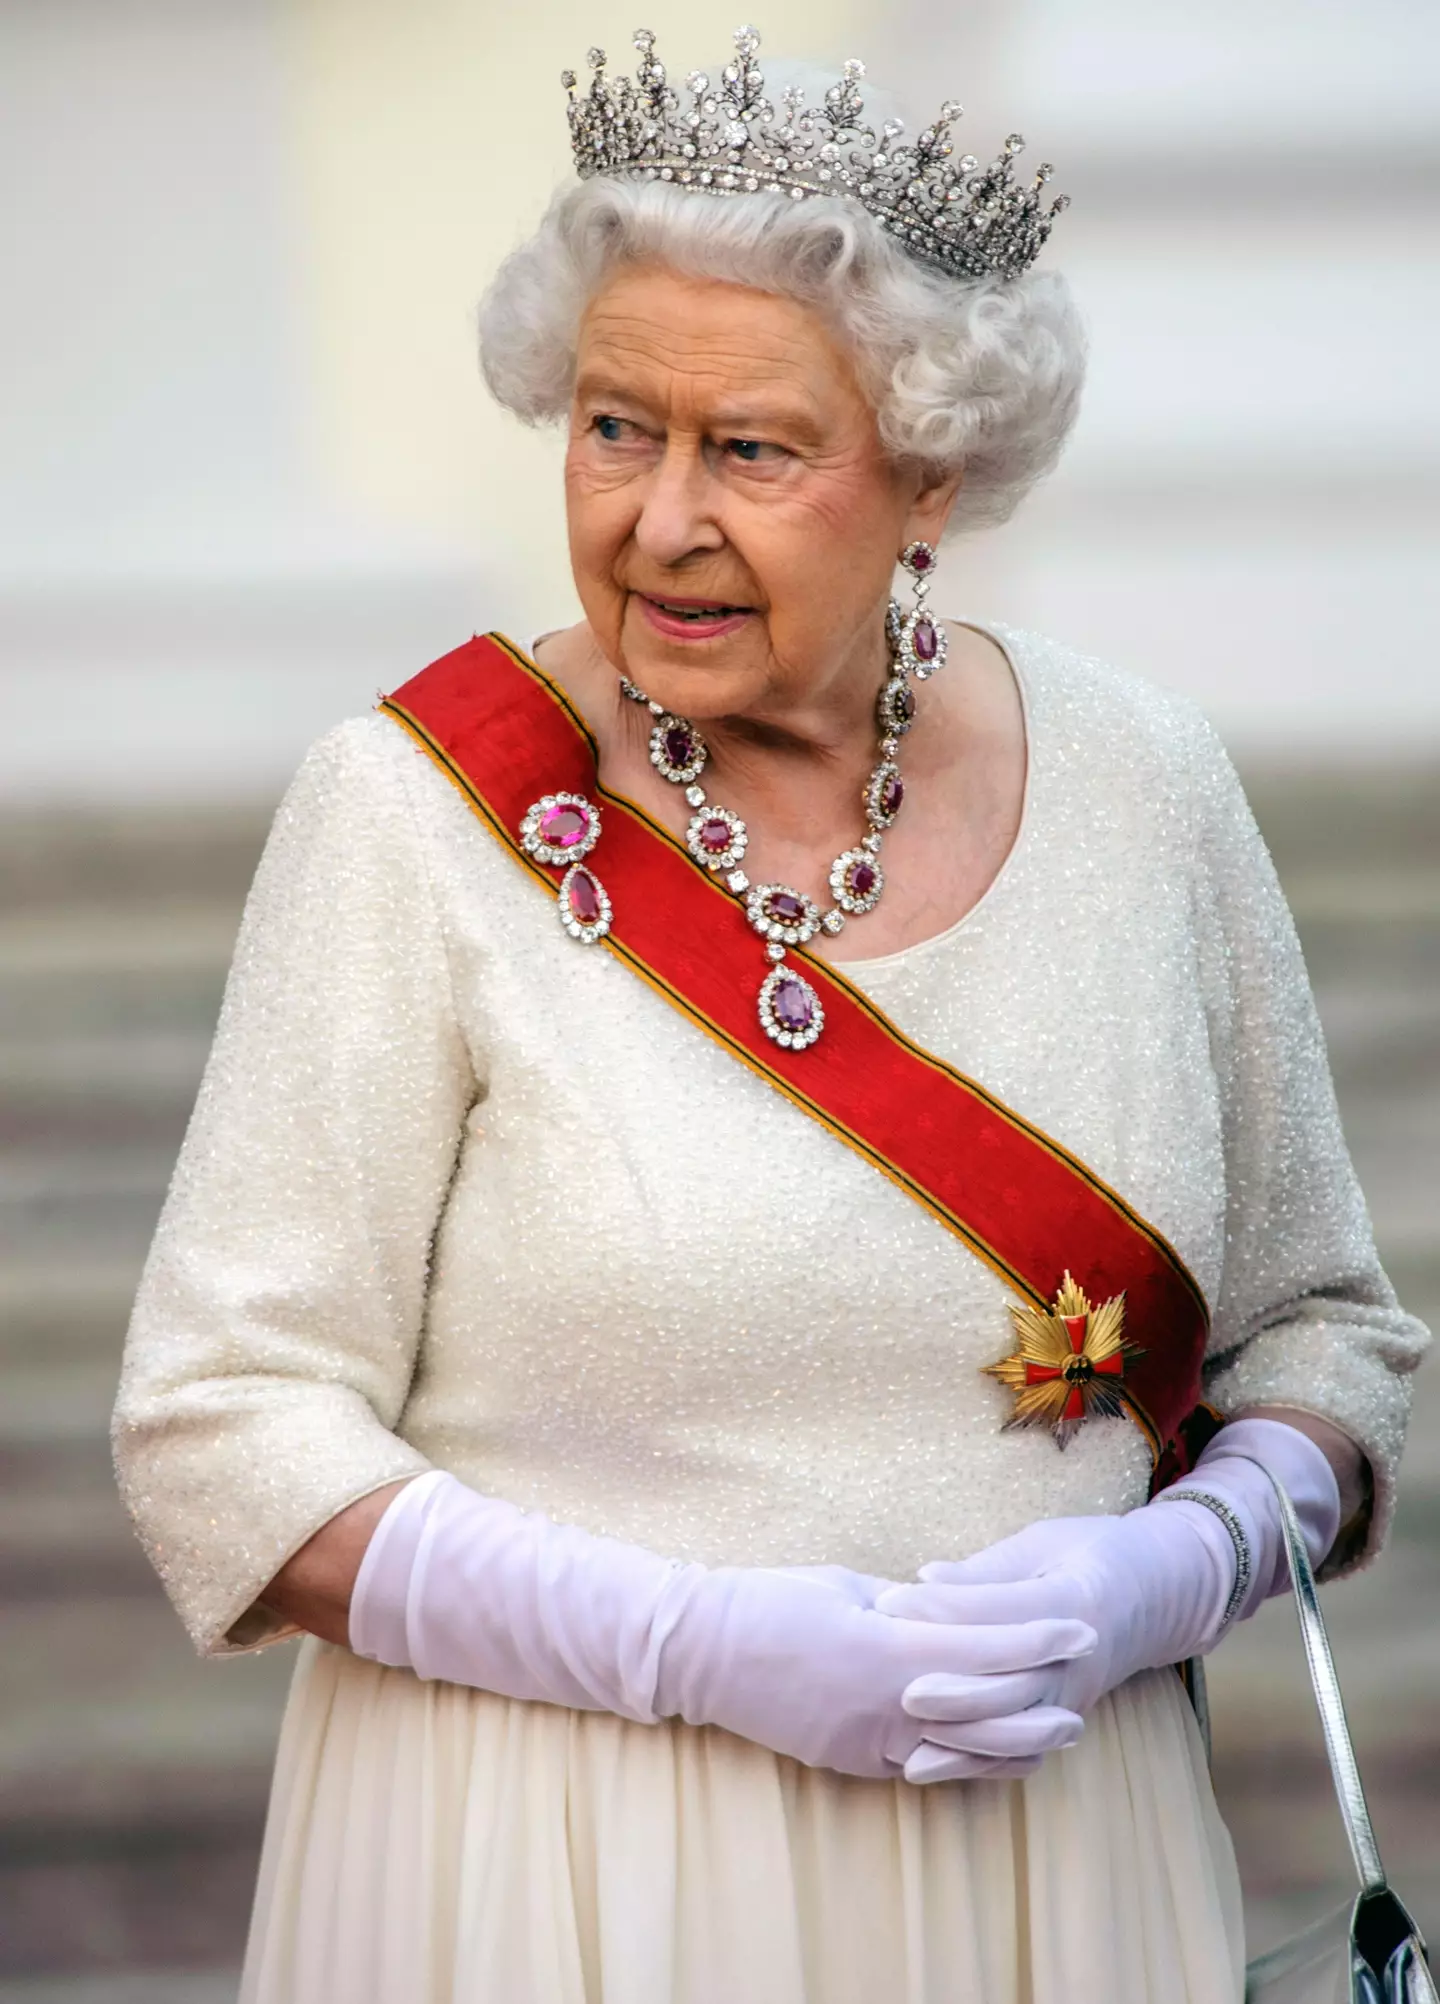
x=1070 y=1363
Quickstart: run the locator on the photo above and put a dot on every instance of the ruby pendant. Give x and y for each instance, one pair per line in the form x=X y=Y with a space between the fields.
x=790 y=1011
x=584 y=905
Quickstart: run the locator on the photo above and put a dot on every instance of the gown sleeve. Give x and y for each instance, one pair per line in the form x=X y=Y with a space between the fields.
x=1306 y=1316
x=280 y=1312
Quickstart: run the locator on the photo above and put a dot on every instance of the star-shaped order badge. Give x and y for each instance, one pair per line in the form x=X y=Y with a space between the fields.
x=1070 y=1363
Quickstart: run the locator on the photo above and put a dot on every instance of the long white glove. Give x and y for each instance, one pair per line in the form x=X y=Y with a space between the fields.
x=1155 y=1587
x=458 y=1586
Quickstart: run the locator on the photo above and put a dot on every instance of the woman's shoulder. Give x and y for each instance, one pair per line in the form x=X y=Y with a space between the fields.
x=367 y=788
x=351 y=797
x=356 y=750
x=363 y=766
x=1113 y=717
x=1118 y=750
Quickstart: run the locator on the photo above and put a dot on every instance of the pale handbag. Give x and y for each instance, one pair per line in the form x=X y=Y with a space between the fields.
x=1370 y=1952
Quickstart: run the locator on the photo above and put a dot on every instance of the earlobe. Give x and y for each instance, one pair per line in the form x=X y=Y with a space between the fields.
x=931 y=508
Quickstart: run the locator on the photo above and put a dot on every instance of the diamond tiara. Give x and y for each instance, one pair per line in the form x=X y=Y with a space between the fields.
x=968 y=220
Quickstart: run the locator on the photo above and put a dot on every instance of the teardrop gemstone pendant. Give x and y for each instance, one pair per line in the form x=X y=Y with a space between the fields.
x=584 y=905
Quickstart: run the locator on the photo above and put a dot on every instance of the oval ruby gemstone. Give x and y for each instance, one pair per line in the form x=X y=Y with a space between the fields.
x=862 y=879
x=584 y=897
x=905 y=703
x=715 y=835
x=784 y=907
x=791 y=1005
x=927 y=640
x=563 y=827
x=893 y=795
x=921 y=560
x=679 y=745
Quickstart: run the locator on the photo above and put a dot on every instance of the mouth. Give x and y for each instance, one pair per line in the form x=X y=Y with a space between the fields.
x=692 y=618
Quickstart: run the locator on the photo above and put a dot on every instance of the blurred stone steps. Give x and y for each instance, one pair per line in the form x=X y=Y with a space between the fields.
x=1359 y=855
x=150 y=1986
x=58 y=1311
x=132 y=1777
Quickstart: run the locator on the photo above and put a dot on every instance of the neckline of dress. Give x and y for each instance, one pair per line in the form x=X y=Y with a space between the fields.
x=857 y=969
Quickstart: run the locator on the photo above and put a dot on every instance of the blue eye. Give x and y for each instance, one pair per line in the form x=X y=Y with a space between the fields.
x=610 y=428
x=748 y=449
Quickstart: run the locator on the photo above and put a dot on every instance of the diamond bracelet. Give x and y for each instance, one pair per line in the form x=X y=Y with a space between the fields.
x=1244 y=1562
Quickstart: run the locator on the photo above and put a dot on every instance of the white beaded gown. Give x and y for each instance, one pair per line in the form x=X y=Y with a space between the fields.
x=458 y=1192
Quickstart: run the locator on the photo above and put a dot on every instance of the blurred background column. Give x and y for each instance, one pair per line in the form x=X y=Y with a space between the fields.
x=248 y=472
x=1249 y=507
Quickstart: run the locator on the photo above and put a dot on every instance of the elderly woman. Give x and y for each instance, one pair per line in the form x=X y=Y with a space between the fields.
x=703 y=1112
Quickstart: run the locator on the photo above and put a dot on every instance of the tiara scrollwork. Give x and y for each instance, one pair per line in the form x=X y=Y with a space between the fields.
x=966 y=219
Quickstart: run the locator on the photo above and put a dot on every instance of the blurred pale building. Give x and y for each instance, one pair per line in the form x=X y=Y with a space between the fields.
x=247 y=471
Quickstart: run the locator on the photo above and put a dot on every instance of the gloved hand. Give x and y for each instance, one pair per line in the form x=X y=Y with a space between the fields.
x=1154 y=1587
x=799 y=1661
x=459 y=1586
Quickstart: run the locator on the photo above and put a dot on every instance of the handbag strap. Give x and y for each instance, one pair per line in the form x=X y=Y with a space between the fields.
x=1343 y=1766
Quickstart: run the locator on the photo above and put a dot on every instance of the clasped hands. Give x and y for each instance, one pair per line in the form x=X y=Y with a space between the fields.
x=979 y=1668
x=1009 y=1650
x=1032 y=1631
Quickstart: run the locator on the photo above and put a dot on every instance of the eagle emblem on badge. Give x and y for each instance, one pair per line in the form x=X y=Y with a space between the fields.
x=1070 y=1363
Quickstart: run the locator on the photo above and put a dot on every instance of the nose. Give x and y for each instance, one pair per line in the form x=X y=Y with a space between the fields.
x=677 y=514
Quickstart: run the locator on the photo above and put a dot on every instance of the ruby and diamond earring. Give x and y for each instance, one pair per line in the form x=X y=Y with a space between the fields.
x=917 y=638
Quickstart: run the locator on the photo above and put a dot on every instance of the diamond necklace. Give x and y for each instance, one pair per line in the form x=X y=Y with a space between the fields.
x=790 y=1011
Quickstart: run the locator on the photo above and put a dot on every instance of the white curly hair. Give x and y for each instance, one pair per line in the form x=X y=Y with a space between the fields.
x=980 y=377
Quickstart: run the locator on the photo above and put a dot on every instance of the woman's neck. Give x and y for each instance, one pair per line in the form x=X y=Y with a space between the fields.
x=796 y=770
x=797 y=782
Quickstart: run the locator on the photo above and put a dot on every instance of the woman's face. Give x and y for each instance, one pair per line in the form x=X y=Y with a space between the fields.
x=734 y=521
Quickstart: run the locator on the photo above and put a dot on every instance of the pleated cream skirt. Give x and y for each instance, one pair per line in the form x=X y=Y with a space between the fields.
x=429 y=1844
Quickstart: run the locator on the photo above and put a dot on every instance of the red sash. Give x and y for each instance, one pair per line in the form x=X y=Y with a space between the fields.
x=505 y=734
